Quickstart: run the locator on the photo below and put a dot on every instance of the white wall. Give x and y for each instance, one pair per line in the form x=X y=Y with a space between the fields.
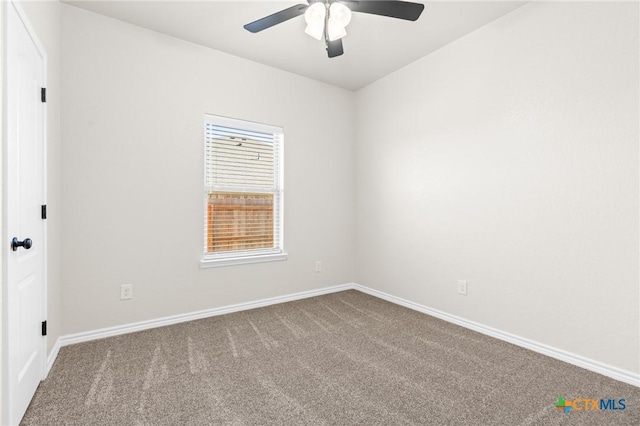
x=132 y=174
x=509 y=158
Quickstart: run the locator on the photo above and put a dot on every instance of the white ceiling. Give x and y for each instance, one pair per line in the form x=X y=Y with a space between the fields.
x=374 y=47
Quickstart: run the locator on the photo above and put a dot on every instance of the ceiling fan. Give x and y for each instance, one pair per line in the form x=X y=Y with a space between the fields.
x=327 y=19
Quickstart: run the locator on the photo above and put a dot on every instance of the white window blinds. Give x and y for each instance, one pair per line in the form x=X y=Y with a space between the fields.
x=241 y=160
x=243 y=190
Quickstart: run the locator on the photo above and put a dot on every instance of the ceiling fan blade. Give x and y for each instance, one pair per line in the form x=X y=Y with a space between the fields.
x=392 y=8
x=334 y=48
x=276 y=18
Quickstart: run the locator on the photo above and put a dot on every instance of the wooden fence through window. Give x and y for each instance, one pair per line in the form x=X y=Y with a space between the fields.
x=239 y=221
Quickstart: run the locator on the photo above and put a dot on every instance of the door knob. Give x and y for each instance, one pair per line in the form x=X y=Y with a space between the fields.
x=27 y=243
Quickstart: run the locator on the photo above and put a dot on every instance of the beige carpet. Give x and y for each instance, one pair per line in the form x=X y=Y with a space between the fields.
x=340 y=359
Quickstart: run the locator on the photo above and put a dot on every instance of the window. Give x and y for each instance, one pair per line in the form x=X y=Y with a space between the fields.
x=242 y=192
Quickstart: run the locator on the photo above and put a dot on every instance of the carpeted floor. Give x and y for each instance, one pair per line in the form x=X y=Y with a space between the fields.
x=340 y=359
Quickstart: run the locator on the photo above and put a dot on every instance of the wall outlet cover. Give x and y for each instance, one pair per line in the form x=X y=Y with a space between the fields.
x=462 y=287
x=126 y=291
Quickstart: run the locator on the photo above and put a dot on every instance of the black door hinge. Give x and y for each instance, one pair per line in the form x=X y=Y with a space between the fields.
x=43 y=94
x=44 y=328
x=43 y=211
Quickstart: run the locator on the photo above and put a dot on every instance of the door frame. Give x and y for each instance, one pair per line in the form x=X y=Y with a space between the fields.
x=5 y=238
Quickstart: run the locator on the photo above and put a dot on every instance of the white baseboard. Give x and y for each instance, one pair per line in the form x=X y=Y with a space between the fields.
x=562 y=355
x=176 y=319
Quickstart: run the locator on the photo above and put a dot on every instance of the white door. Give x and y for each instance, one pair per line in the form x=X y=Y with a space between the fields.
x=24 y=195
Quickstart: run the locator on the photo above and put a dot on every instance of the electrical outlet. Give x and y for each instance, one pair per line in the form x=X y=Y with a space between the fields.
x=462 y=287
x=318 y=266
x=126 y=291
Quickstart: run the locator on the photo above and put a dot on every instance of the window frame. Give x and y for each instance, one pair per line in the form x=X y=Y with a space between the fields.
x=240 y=257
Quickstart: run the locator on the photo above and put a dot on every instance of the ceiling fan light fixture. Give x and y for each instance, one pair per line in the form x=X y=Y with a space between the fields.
x=340 y=14
x=314 y=16
x=335 y=31
x=315 y=30
x=339 y=18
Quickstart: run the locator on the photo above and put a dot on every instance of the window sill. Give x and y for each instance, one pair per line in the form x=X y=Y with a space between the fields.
x=242 y=260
